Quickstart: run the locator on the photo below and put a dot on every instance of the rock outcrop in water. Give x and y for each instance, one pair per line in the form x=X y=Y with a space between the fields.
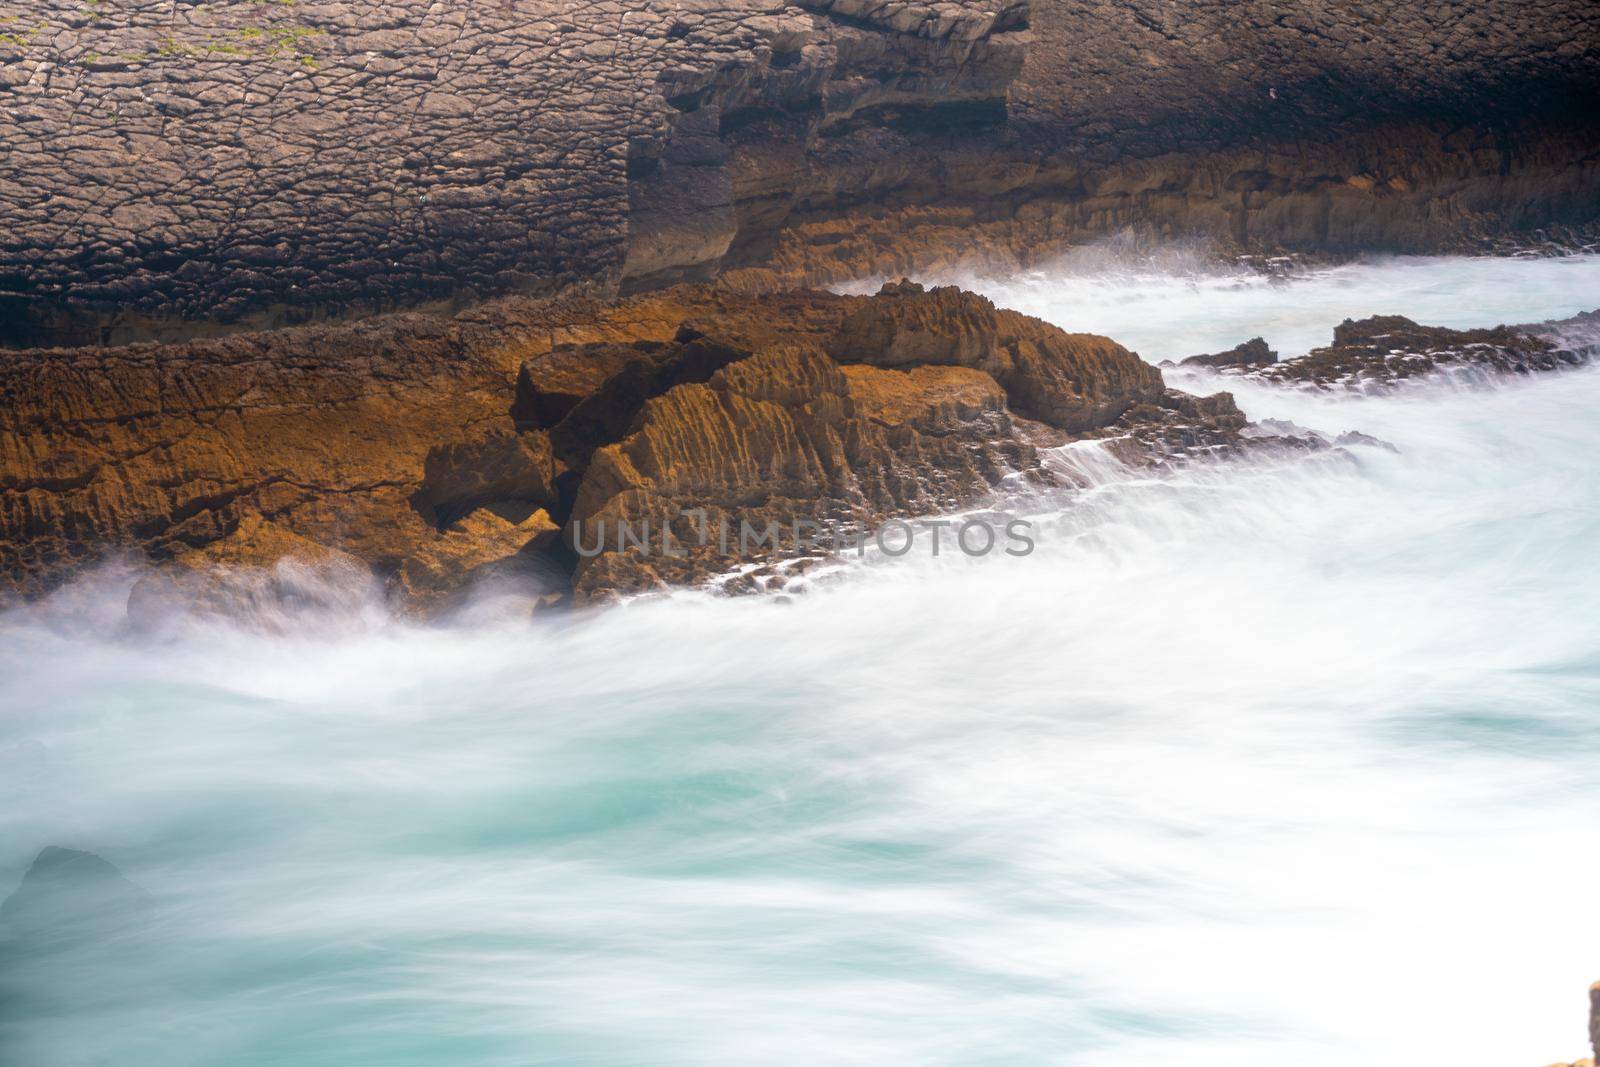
x=67 y=898
x=1385 y=350
x=178 y=170
x=426 y=453
x=543 y=442
x=1251 y=353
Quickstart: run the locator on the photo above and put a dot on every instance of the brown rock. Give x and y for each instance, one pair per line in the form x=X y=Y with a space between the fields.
x=609 y=409
x=932 y=399
x=482 y=545
x=550 y=385
x=262 y=573
x=395 y=441
x=780 y=441
x=1074 y=382
x=1386 y=349
x=499 y=467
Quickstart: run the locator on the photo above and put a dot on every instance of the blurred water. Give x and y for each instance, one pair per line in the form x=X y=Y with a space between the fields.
x=1178 y=303
x=1282 y=763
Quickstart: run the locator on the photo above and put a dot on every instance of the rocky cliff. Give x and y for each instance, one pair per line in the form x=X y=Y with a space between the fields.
x=175 y=170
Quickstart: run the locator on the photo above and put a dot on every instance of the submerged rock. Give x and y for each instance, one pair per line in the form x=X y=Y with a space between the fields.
x=67 y=898
x=262 y=573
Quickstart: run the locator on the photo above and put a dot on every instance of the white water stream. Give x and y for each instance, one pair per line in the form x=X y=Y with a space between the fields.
x=1261 y=764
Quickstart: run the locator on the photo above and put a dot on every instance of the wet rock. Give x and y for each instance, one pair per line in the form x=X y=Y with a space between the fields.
x=1251 y=353
x=1384 y=350
x=1178 y=428
x=277 y=475
x=1357 y=438
x=262 y=574
x=480 y=547
x=500 y=467
x=780 y=446
x=1074 y=382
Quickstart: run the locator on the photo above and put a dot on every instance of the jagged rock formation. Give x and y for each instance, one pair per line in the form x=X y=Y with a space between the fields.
x=323 y=430
x=306 y=464
x=1384 y=350
x=174 y=170
x=1253 y=352
x=423 y=454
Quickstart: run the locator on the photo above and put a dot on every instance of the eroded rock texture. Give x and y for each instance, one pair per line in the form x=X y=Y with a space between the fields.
x=250 y=162
x=426 y=453
x=172 y=169
x=1306 y=125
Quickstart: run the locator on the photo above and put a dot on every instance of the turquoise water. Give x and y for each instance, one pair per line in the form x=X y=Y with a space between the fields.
x=1281 y=763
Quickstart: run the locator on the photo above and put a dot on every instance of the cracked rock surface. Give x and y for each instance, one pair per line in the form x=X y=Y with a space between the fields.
x=172 y=169
x=254 y=162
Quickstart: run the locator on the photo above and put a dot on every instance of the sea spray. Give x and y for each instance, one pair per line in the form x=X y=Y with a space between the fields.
x=1281 y=761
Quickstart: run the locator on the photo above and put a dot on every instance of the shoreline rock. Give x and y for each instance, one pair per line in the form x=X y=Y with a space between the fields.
x=1252 y=353
x=420 y=455
x=1384 y=351
x=416 y=457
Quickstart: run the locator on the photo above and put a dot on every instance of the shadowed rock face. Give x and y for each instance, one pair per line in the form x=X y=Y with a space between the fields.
x=250 y=163
x=173 y=170
x=1201 y=73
